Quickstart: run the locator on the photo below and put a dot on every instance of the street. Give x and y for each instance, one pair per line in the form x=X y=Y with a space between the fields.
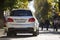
x=31 y=16
x=43 y=35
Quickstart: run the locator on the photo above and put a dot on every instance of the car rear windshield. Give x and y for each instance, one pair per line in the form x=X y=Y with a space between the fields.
x=21 y=13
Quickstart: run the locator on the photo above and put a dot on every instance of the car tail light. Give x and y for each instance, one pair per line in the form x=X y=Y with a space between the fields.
x=31 y=20
x=10 y=20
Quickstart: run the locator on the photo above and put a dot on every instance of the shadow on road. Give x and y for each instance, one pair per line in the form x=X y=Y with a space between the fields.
x=4 y=39
x=27 y=36
x=18 y=36
x=49 y=32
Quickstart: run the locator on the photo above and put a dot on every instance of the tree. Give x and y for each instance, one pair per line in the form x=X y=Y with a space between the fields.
x=29 y=0
x=10 y=4
x=1 y=12
x=21 y=4
x=42 y=7
x=5 y=4
x=59 y=5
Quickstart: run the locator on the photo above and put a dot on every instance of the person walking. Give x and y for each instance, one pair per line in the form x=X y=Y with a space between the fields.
x=55 y=24
x=42 y=24
x=47 y=23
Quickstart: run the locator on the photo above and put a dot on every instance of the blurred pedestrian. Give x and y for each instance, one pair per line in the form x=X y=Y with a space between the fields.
x=42 y=24
x=59 y=23
x=47 y=23
x=55 y=24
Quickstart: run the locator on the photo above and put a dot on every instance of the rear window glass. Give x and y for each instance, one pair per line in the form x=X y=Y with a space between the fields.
x=21 y=13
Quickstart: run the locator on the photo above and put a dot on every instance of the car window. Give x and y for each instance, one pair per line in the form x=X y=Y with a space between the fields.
x=21 y=13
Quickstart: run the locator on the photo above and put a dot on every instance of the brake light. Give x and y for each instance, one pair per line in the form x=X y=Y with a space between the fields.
x=10 y=20
x=31 y=20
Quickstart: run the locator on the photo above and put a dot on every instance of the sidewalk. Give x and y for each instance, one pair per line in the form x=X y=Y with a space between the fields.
x=50 y=31
x=1 y=32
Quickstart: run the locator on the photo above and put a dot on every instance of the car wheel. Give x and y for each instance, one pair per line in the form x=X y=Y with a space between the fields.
x=11 y=33
x=36 y=33
x=8 y=33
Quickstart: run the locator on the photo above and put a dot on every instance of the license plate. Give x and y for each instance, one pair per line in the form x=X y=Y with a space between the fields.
x=20 y=20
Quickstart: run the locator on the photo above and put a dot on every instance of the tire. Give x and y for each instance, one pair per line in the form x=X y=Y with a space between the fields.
x=11 y=33
x=36 y=33
x=8 y=34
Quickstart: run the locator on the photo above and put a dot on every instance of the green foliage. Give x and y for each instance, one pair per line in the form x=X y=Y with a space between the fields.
x=10 y=4
x=1 y=4
x=29 y=0
x=42 y=8
x=23 y=1
x=21 y=4
x=7 y=4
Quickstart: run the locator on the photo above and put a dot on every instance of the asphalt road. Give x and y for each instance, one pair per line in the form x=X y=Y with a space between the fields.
x=43 y=35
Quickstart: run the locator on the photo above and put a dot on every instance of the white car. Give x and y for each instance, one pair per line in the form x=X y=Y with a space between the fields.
x=22 y=21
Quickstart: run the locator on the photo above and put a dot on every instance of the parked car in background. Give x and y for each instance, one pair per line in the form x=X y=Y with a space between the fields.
x=22 y=21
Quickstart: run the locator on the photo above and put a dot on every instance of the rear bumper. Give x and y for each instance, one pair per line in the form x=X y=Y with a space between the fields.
x=22 y=30
x=21 y=25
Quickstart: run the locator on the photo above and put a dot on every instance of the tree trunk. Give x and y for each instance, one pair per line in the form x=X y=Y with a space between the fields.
x=1 y=18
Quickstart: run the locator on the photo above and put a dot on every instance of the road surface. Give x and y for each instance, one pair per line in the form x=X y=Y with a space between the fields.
x=43 y=35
